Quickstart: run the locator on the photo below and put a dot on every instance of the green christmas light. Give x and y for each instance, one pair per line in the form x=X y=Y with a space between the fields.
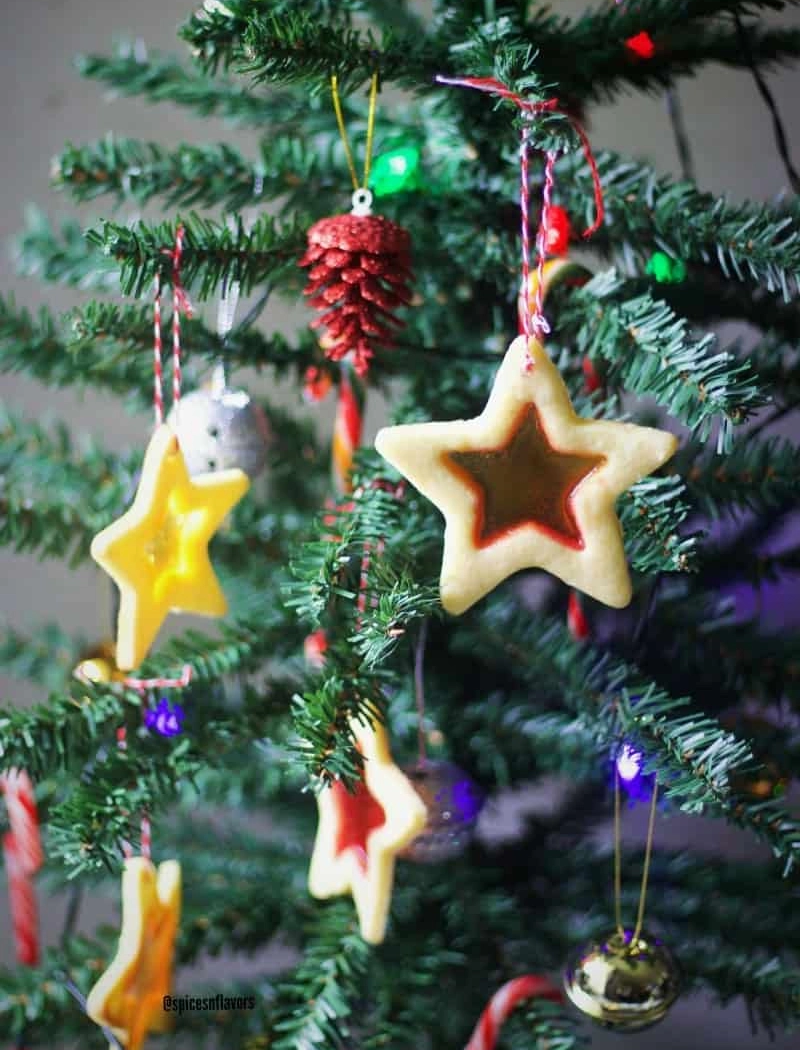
x=665 y=269
x=396 y=171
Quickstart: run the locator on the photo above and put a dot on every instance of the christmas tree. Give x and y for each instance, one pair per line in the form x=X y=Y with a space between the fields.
x=533 y=572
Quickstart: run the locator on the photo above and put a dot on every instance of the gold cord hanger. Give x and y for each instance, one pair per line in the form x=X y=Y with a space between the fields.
x=618 y=861
x=337 y=105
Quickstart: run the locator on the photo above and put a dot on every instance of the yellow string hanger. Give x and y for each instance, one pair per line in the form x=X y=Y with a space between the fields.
x=618 y=862
x=359 y=189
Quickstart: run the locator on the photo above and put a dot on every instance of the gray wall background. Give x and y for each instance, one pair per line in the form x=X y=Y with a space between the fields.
x=46 y=104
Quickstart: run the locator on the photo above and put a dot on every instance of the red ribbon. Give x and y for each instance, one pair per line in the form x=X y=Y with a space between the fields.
x=550 y=105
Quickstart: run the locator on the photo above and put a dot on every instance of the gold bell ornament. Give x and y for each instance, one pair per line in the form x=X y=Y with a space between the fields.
x=623 y=983
x=627 y=980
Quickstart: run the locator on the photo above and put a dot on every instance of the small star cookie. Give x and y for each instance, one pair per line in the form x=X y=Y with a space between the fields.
x=157 y=552
x=359 y=835
x=527 y=484
x=128 y=998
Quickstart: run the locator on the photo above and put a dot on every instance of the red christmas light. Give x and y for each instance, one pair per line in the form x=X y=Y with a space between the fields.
x=556 y=230
x=641 y=45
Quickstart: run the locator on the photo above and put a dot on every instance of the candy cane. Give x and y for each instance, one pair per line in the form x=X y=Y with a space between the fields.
x=23 y=819
x=503 y=1003
x=346 y=431
x=22 y=897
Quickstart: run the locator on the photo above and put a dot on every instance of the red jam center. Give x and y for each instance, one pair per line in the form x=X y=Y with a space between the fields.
x=357 y=816
x=525 y=482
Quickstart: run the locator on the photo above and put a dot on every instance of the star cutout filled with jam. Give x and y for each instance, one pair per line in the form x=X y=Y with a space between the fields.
x=360 y=834
x=528 y=483
x=503 y=504
x=157 y=552
x=128 y=998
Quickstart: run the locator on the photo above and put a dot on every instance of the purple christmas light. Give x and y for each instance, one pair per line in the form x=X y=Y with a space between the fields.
x=166 y=719
x=629 y=763
x=629 y=767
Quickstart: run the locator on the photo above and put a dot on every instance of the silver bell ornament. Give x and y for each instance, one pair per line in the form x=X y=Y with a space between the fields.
x=219 y=428
x=622 y=982
x=453 y=802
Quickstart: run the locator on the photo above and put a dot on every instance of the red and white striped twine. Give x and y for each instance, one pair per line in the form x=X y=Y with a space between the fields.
x=363 y=581
x=503 y=1003
x=398 y=491
x=536 y=325
x=524 y=198
x=142 y=684
x=145 y=833
x=23 y=818
x=180 y=303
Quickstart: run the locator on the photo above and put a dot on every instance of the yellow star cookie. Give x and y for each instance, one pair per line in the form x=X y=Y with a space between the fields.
x=359 y=835
x=527 y=484
x=128 y=998
x=157 y=552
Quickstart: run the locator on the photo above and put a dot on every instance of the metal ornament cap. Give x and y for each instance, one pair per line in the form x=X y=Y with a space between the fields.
x=221 y=429
x=623 y=984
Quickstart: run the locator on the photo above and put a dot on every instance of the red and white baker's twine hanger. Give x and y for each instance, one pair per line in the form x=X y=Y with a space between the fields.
x=180 y=303
x=398 y=491
x=535 y=324
x=141 y=685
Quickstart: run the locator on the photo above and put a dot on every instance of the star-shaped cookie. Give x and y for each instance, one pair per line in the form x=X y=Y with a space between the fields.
x=527 y=484
x=157 y=552
x=128 y=998
x=359 y=835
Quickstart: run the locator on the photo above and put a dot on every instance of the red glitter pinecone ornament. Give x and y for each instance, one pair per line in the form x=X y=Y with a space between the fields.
x=360 y=274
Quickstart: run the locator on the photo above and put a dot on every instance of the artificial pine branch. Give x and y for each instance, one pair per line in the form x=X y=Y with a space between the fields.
x=694 y=757
x=317 y=1005
x=161 y=78
x=749 y=242
x=298 y=46
x=111 y=345
x=708 y=297
x=259 y=39
x=649 y=352
x=196 y=176
x=741 y=903
x=756 y=475
x=650 y=512
x=44 y=656
x=723 y=659
x=117 y=786
x=70 y=726
x=688 y=35
x=63 y=256
x=769 y=984
x=212 y=252
x=54 y=501
x=35 y=1000
x=229 y=903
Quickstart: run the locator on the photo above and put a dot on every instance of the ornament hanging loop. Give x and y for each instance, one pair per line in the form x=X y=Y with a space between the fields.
x=634 y=939
x=361 y=206
x=180 y=304
x=534 y=324
x=362 y=201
